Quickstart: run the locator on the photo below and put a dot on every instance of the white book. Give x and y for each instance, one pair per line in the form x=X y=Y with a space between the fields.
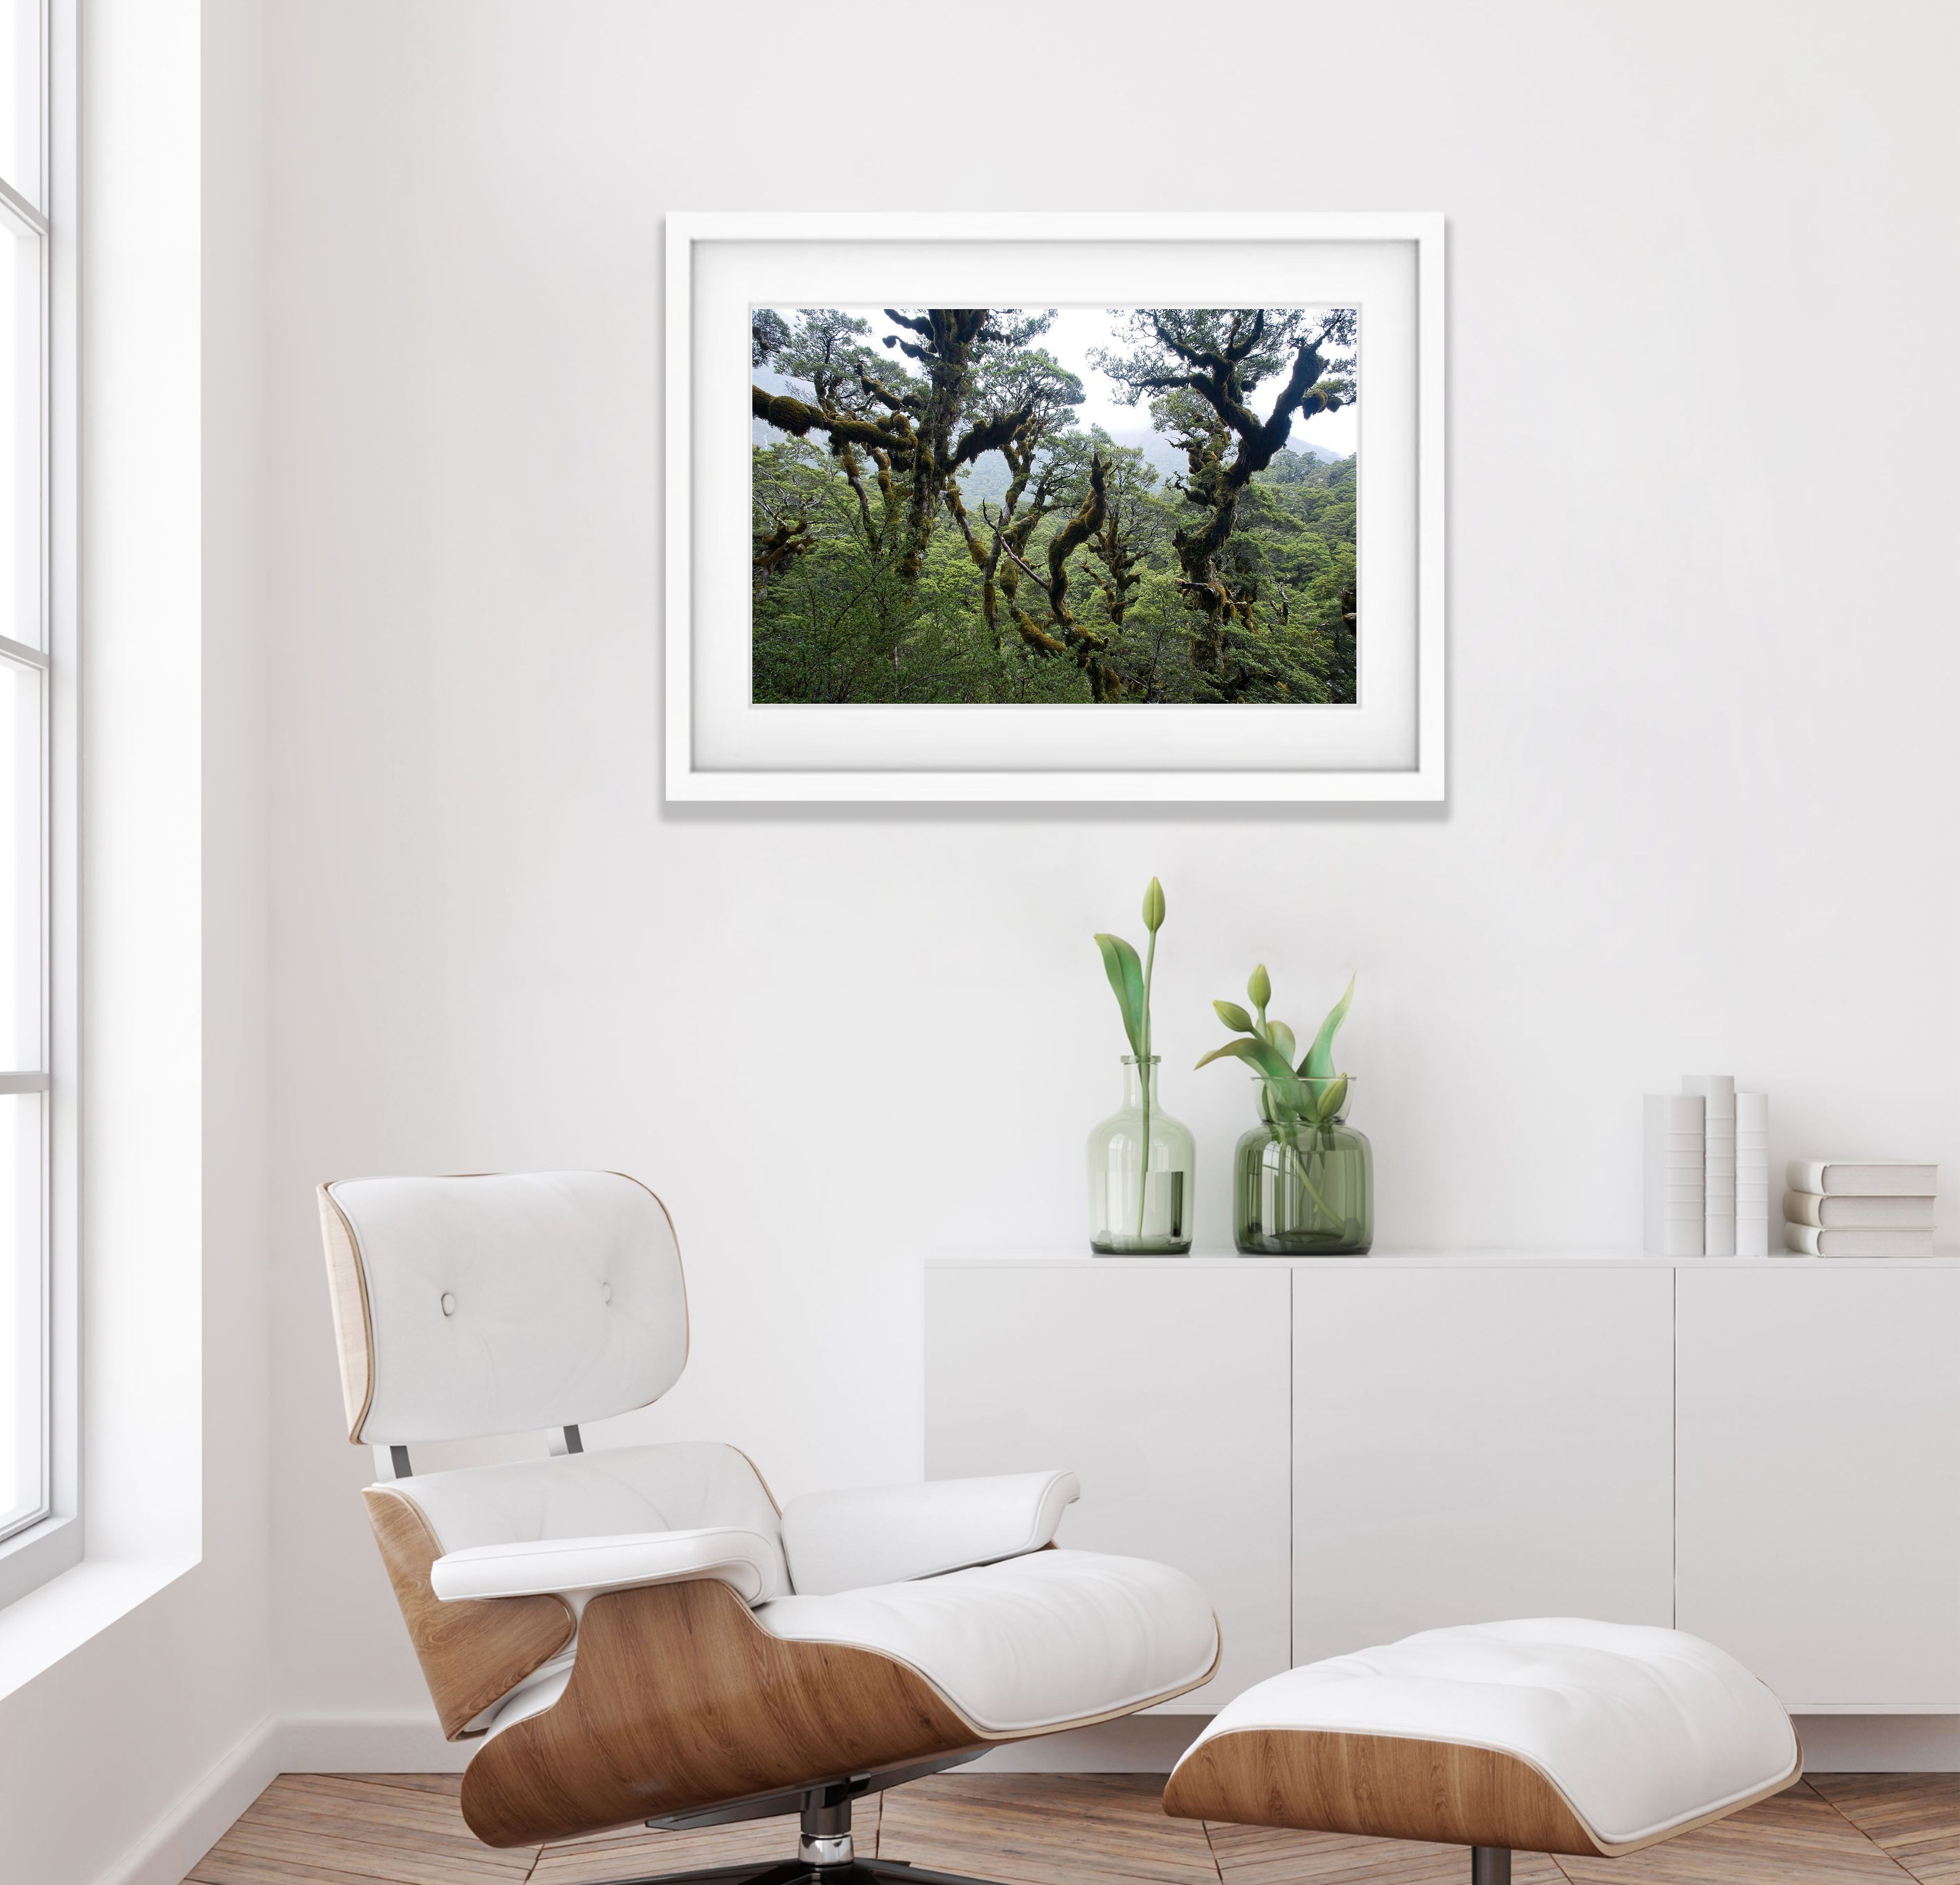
x=1810 y=1240
x=1717 y=1094
x=1868 y=1177
x=1673 y=1196
x=1719 y=1090
x=1842 y=1211
x=1752 y=1174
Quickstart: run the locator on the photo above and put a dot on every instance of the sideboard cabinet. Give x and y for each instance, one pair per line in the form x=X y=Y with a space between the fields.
x=1764 y=1452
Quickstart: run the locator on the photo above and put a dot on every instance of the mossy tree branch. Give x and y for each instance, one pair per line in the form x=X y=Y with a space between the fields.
x=1199 y=368
x=1061 y=633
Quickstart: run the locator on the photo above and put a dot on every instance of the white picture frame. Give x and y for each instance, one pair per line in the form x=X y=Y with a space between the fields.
x=1388 y=746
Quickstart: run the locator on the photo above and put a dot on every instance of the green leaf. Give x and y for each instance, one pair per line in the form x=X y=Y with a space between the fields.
x=1281 y=1037
x=1124 y=968
x=1260 y=987
x=1233 y=1016
x=1318 y=1064
x=1254 y=1053
x=1153 y=907
x=1244 y=1050
x=1327 y=1096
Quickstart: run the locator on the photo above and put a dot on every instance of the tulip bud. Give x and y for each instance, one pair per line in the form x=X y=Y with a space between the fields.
x=1153 y=907
x=1233 y=1016
x=1260 y=988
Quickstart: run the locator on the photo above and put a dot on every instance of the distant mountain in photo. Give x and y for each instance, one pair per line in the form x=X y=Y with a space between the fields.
x=986 y=477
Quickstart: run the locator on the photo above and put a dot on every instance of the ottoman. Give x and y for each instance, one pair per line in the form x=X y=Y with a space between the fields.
x=1549 y=1735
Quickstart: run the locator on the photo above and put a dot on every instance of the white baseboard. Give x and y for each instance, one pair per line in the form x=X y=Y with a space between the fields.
x=200 y=1819
x=1138 y=1744
x=410 y=1742
x=1880 y=1743
x=406 y=1743
x=1151 y=1743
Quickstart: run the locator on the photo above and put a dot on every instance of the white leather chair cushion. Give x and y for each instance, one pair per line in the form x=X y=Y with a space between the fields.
x=512 y=1302
x=546 y=1567
x=885 y=1534
x=624 y=1492
x=1642 y=1729
x=1039 y=1642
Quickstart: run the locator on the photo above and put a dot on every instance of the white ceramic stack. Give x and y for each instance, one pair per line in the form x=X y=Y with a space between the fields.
x=1676 y=1185
x=1752 y=1174
x=1718 y=1091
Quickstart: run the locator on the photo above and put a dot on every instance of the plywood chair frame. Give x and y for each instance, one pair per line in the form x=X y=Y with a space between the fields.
x=679 y=1709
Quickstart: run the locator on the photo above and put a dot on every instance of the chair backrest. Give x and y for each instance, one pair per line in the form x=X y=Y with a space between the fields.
x=500 y=1304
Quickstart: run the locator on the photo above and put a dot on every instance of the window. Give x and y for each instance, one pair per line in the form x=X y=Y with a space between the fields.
x=30 y=663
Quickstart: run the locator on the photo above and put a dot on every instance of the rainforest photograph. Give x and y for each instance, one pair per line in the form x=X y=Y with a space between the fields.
x=1001 y=506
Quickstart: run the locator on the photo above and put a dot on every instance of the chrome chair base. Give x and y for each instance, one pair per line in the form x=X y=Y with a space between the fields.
x=825 y=1854
x=796 y=1872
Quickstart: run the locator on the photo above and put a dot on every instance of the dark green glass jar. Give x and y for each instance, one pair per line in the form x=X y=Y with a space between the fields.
x=1303 y=1188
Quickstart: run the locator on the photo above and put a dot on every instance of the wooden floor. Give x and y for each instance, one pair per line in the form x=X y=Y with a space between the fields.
x=1073 y=1829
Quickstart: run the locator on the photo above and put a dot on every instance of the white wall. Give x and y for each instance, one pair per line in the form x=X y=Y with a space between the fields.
x=123 y=1761
x=1703 y=666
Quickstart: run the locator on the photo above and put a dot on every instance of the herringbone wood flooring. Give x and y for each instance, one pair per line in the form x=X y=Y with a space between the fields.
x=1073 y=1829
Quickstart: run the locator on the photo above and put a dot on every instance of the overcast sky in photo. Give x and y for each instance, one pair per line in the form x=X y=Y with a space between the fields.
x=1078 y=331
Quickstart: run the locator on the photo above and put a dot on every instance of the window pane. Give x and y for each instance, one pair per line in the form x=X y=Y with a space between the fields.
x=21 y=872
x=21 y=455
x=20 y=97
x=23 y=1343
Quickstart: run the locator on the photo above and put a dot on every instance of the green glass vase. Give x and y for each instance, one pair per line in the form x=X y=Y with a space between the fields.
x=1140 y=1205
x=1300 y=1189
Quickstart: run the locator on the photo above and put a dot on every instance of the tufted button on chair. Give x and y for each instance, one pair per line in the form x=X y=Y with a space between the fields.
x=639 y=1633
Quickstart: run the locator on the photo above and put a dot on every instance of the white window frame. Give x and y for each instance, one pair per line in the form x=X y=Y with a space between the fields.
x=38 y=1548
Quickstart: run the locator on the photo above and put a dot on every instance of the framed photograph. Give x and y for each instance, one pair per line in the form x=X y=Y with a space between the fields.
x=1055 y=507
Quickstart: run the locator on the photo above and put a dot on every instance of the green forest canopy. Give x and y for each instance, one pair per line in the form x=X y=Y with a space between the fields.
x=897 y=561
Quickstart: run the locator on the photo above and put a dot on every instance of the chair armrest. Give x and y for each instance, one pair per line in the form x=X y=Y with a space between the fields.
x=891 y=1534
x=563 y=1567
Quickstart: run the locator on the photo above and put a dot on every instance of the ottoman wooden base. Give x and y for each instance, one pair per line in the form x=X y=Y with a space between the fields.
x=1549 y=1736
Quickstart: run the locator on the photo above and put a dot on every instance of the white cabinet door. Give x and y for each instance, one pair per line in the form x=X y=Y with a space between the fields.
x=1478 y=1442
x=1164 y=1384
x=1819 y=1507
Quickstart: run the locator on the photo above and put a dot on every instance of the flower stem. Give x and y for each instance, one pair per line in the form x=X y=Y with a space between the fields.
x=1143 y=1071
x=1291 y=1141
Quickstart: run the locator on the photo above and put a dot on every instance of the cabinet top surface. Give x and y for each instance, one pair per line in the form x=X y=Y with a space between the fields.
x=1075 y=1258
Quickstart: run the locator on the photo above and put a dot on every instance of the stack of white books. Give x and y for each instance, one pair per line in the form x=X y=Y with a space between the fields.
x=1873 y=1207
x=1707 y=1169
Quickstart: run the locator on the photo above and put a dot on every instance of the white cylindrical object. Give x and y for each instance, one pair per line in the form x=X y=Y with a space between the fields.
x=1674 y=1182
x=1717 y=1093
x=1752 y=1174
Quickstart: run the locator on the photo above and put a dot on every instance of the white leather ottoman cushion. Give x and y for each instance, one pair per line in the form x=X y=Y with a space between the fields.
x=1644 y=1730
x=1034 y=1643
